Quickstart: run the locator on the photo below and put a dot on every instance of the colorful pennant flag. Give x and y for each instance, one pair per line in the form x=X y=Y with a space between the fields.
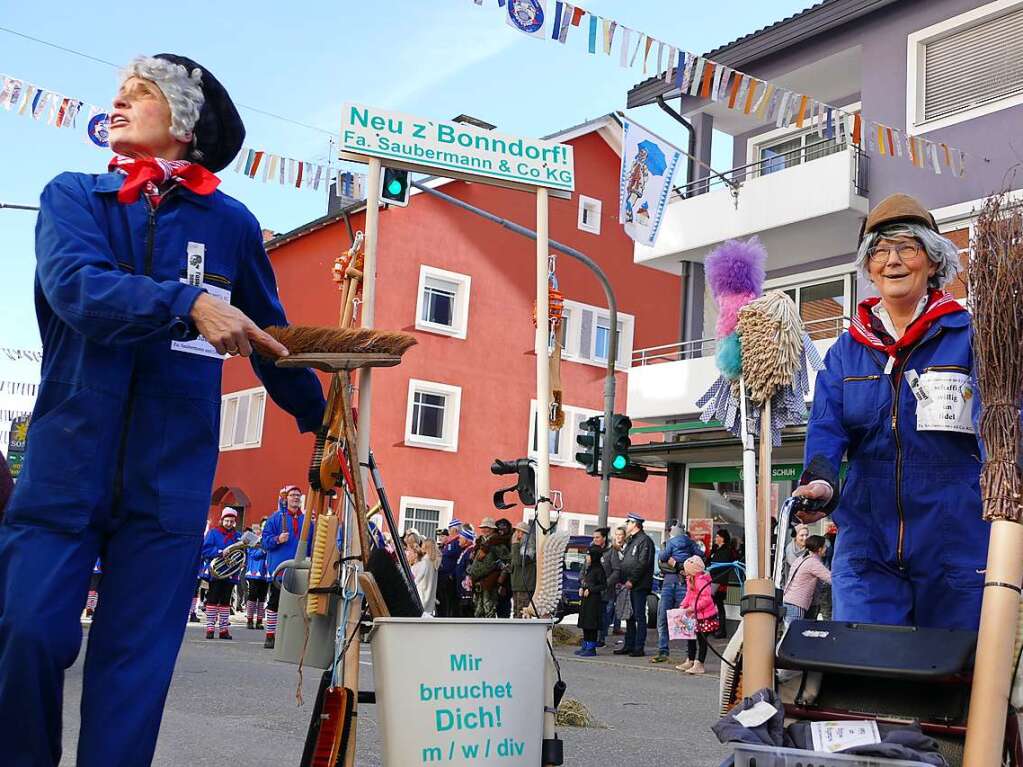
x=699 y=77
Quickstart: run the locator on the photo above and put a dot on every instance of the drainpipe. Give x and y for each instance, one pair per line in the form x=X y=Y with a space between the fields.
x=612 y=306
x=691 y=154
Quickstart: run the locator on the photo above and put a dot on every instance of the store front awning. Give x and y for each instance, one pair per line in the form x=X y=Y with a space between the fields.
x=701 y=443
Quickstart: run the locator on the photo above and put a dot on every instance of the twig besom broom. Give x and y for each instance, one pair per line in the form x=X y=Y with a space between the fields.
x=996 y=294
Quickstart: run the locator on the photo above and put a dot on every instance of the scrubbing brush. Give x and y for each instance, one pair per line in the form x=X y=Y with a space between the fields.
x=549 y=580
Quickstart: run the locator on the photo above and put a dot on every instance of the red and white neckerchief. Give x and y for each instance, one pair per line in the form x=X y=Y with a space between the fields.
x=867 y=328
x=146 y=175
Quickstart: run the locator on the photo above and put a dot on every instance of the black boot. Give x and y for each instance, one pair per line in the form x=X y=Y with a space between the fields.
x=269 y=643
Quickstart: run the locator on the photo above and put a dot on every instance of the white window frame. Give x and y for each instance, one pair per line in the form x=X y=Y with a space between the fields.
x=758 y=142
x=452 y=413
x=255 y=394
x=845 y=273
x=915 y=43
x=460 y=316
x=567 y=446
x=593 y=205
x=445 y=507
x=573 y=330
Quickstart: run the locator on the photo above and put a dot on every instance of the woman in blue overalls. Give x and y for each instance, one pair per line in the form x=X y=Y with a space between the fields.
x=132 y=266
x=897 y=399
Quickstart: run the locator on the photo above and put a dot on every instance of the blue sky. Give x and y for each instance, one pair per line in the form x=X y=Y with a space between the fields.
x=436 y=59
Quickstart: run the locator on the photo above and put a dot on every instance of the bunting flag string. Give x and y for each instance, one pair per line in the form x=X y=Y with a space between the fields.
x=14 y=355
x=19 y=388
x=44 y=105
x=700 y=77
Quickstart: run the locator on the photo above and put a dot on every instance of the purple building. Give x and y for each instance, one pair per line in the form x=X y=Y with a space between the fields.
x=948 y=71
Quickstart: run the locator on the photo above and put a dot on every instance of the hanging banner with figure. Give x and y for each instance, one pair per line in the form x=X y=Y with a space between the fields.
x=648 y=166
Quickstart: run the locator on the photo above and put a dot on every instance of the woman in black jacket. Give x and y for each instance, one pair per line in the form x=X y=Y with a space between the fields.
x=721 y=553
x=592 y=585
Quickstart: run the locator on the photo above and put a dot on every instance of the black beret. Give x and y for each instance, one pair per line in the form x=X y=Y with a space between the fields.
x=219 y=133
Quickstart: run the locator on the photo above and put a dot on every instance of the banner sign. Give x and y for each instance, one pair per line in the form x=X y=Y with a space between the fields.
x=402 y=140
x=648 y=166
x=470 y=695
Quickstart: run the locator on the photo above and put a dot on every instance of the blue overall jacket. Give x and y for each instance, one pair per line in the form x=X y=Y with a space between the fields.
x=255 y=564
x=279 y=522
x=120 y=411
x=911 y=541
x=218 y=539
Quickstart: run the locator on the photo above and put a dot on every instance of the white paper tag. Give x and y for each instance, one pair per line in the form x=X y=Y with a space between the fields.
x=916 y=386
x=890 y=366
x=838 y=736
x=950 y=403
x=200 y=345
x=756 y=715
x=196 y=263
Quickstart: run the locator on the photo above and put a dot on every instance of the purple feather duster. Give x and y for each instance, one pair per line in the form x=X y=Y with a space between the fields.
x=736 y=267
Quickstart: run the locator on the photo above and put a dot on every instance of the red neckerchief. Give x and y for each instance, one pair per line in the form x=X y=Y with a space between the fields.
x=866 y=327
x=294 y=520
x=147 y=174
x=227 y=533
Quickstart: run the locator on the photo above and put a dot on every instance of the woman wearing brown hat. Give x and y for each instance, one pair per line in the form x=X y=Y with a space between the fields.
x=896 y=400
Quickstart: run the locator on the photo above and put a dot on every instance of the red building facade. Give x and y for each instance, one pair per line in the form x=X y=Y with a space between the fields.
x=465 y=394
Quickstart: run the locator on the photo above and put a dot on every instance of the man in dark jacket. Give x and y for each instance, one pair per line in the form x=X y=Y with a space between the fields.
x=673 y=590
x=132 y=267
x=638 y=574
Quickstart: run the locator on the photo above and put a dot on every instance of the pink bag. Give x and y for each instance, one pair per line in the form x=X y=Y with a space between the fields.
x=680 y=625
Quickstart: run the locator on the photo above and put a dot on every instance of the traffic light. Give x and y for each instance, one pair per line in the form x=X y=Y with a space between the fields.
x=590 y=440
x=618 y=437
x=394 y=187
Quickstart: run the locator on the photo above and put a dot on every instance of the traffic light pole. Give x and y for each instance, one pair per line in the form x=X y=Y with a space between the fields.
x=612 y=304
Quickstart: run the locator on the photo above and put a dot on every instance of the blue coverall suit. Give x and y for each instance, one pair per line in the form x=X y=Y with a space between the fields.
x=281 y=522
x=911 y=541
x=121 y=455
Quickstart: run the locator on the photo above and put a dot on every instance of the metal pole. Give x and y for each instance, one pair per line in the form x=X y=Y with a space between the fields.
x=368 y=309
x=612 y=352
x=12 y=206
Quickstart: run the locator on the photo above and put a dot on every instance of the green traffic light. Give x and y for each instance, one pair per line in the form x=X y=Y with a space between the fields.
x=619 y=462
x=394 y=187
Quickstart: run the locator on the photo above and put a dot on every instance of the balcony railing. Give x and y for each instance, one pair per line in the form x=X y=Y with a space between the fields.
x=778 y=163
x=828 y=327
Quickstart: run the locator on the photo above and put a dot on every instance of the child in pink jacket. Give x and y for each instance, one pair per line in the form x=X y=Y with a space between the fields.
x=699 y=603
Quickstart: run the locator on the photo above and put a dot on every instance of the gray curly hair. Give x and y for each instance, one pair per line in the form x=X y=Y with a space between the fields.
x=940 y=251
x=183 y=91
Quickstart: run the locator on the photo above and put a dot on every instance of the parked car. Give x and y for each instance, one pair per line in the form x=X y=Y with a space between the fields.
x=575 y=558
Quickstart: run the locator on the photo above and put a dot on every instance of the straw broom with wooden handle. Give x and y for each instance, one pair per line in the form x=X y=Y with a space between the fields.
x=996 y=292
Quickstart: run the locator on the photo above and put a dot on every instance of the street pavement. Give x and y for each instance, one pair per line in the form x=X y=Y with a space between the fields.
x=231 y=701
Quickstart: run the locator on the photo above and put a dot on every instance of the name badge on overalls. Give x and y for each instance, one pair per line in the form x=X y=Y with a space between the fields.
x=948 y=405
x=195 y=275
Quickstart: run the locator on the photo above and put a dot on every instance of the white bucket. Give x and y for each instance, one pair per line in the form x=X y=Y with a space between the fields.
x=457 y=691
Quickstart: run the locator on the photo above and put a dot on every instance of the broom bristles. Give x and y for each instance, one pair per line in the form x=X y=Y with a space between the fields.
x=309 y=339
